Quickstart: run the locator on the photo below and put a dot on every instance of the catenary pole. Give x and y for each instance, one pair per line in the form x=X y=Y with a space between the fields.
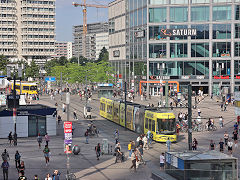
x=190 y=117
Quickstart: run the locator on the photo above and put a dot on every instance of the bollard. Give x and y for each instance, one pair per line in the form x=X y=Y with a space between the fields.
x=76 y=149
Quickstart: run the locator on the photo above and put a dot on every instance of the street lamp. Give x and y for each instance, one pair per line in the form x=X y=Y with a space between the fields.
x=68 y=103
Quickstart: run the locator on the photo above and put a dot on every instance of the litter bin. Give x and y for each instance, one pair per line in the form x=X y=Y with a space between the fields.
x=76 y=149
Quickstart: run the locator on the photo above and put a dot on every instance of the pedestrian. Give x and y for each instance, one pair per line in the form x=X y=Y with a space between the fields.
x=75 y=115
x=211 y=145
x=221 y=122
x=162 y=161
x=230 y=145
x=133 y=159
x=225 y=107
x=98 y=150
x=168 y=144
x=48 y=177
x=86 y=134
x=221 y=144
x=235 y=136
x=119 y=154
x=222 y=107
x=39 y=140
x=47 y=139
x=21 y=168
x=145 y=140
x=199 y=112
x=46 y=152
x=15 y=139
x=56 y=175
x=5 y=155
x=5 y=166
x=226 y=137
x=10 y=138
x=149 y=134
x=116 y=135
x=194 y=144
x=130 y=148
x=235 y=126
x=17 y=159
x=59 y=119
x=36 y=177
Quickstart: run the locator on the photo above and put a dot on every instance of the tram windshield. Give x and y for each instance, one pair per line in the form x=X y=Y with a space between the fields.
x=166 y=126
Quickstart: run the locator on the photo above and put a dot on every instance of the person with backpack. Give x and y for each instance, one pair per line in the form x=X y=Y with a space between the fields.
x=5 y=155
x=39 y=140
x=46 y=152
x=5 y=166
x=98 y=150
x=17 y=159
x=86 y=134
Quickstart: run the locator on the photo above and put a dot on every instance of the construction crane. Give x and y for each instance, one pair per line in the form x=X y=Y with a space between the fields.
x=84 y=5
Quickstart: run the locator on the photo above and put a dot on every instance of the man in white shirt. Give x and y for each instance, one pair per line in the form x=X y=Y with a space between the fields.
x=162 y=161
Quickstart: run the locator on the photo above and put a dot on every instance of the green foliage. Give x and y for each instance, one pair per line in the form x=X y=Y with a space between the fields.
x=32 y=70
x=103 y=56
x=82 y=60
x=62 y=61
x=3 y=64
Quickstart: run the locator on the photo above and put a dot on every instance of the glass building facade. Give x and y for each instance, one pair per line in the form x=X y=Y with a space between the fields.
x=209 y=59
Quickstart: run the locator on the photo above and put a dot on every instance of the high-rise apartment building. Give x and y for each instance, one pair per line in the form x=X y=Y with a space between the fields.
x=63 y=49
x=101 y=41
x=92 y=30
x=184 y=42
x=27 y=30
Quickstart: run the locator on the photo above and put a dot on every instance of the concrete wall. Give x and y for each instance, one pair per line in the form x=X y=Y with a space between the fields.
x=7 y=125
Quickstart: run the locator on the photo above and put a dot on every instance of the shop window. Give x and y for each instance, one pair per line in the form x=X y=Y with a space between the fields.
x=157 y=50
x=237 y=12
x=237 y=31
x=200 y=13
x=221 y=13
x=221 y=49
x=202 y=31
x=237 y=67
x=157 y=15
x=155 y=32
x=178 y=14
x=200 y=50
x=221 y=31
x=237 y=49
x=221 y=68
x=178 y=50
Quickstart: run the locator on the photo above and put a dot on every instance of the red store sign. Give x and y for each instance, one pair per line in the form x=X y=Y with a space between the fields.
x=221 y=77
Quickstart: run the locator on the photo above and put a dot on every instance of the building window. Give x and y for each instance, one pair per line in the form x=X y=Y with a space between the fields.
x=237 y=49
x=237 y=67
x=221 y=1
x=221 y=68
x=158 y=1
x=140 y=17
x=199 y=1
x=178 y=50
x=178 y=27
x=237 y=12
x=202 y=31
x=200 y=13
x=221 y=49
x=200 y=50
x=157 y=15
x=237 y=30
x=221 y=31
x=178 y=14
x=221 y=13
x=154 y=32
x=179 y=1
x=157 y=50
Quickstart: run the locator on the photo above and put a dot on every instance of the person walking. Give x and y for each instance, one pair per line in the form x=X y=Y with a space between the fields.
x=130 y=148
x=22 y=176
x=98 y=150
x=48 y=177
x=15 y=139
x=75 y=115
x=199 y=112
x=10 y=138
x=21 y=168
x=226 y=137
x=59 y=119
x=221 y=144
x=221 y=122
x=56 y=175
x=211 y=145
x=5 y=155
x=39 y=140
x=17 y=159
x=5 y=166
x=168 y=144
x=133 y=159
x=230 y=145
x=194 y=144
x=47 y=139
x=36 y=177
x=116 y=136
x=46 y=152
x=86 y=134
x=162 y=161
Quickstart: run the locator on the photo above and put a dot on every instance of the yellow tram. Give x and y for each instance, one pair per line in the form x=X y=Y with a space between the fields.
x=140 y=119
x=26 y=88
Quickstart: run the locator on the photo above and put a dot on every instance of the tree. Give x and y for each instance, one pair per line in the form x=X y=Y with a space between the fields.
x=103 y=56
x=62 y=61
x=3 y=64
x=32 y=70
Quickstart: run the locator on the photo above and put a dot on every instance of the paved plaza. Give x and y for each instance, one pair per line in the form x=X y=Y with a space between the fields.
x=86 y=166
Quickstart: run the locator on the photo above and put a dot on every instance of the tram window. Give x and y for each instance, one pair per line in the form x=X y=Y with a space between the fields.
x=150 y=124
x=146 y=123
x=166 y=125
x=17 y=87
x=153 y=126
x=33 y=88
x=25 y=87
x=109 y=109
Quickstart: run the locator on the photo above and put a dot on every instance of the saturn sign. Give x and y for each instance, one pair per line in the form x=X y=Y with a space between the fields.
x=178 y=32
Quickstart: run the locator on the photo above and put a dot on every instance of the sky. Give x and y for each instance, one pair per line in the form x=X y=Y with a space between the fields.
x=67 y=16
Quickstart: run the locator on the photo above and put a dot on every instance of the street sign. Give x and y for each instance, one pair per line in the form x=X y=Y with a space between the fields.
x=68 y=132
x=50 y=79
x=11 y=97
